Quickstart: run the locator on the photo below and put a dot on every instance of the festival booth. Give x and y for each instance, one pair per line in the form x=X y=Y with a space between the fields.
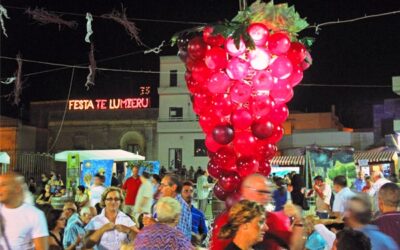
x=384 y=161
x=283 y=165
x=4 y=162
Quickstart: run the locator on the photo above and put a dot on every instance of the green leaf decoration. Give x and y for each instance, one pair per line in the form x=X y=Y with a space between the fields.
x=307 y=41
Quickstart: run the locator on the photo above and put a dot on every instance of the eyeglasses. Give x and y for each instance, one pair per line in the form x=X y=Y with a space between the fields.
x=113 y=199
x=260 y=191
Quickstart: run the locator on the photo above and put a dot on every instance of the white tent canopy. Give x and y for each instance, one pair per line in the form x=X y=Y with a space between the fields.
x=111 y=154
x=4 y=158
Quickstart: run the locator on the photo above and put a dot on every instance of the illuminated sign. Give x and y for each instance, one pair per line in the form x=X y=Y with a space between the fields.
x=109 y=104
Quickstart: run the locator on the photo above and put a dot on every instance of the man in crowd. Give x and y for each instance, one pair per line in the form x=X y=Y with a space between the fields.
x=171 y=187
x=70 y=212
x=144 y=198
x=378 y=181
x=131 y=187
x=358 y=216
x=97 y=189
x=199 y=227
x=256 y=188
x=347 y=239
x=389 y=219
x=343 y=194
x=323 y=195
x=22 y=226
x=359 y=183
x=75 y=231
x=203 y=190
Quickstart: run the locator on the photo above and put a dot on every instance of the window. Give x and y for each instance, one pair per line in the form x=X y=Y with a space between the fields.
x=200 y=148
x=175 y=112
x=173 y=78
x=175 y=158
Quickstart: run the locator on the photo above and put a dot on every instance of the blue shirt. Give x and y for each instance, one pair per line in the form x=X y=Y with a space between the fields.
x=359 y=184
x=341 y=199
x=185 y=220
x=72 y=232
x=198 y=221
x=379 y=240
x=279 y=199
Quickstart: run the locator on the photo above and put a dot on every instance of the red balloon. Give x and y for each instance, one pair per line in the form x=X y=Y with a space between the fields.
x=277 y=135
x=241 y=118
x=219 y=192
x=262 y=81
x=259 y=33
x=231 y=48
x=213 y=40
x=296 y=76
x=281 y=67
x=183 y=55
x=197 y=48
x=279 y=114
x=282 y=93
x=240 y=92
x=222 y=104
x=216 y=58
x=232 y=199
x=214 y=169
x=244 y=143
x=237 y=68
x=262 y=128
x=229 y=182
x=297 y=52
x=200 y=72
x=226 y=158
x=266 y=151
x=218 y=83
x=208 y=120
x=246 y=166
x=261 y=105
x=223 y=134
x=264 y=168
x=201 y=102
x=212 y=145
x=279 y=43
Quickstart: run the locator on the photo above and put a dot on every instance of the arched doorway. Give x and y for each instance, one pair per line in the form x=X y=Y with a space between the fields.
x=133 y=141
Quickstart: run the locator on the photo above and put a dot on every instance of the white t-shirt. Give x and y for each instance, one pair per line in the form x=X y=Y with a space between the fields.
x=21 y=226
x=110 y=240
x=95 y=194
x=145 y=190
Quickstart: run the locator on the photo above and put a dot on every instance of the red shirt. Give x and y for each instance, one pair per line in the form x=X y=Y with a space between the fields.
x=131 y=186
x=277 y=223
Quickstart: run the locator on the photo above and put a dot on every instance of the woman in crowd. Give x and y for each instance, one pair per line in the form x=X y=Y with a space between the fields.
x=45 y=196
x=280 y=194
x=298 y=192
x=246 y=225
x=56 y=224
x=81 y=199
x=368 y=184
x=111 y=228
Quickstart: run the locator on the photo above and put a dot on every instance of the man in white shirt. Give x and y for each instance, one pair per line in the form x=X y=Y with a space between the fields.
x=97 y=189
x=343 y=195
x=22 y=226
x=379 y=180
x=323 y=195
x=144 y=197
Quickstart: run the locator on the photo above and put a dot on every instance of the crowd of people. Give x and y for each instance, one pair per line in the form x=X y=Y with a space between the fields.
x=152 y=212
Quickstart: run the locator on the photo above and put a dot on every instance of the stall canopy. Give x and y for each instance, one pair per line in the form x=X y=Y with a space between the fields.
x=4 y=158
x=112 y=154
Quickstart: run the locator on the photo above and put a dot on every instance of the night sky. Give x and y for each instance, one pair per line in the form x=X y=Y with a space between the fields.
x=360 y=53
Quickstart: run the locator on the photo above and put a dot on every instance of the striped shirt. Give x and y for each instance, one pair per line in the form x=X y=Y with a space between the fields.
x=389 y=223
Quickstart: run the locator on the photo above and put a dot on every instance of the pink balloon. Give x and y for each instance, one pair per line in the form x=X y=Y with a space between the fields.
x=226 y=158
x=246 y=166
x=218 y=83
x=261 y=105
x=262 y=81
x=262 y=128
x=213 y=40
x=281 y=67
x=241 y=118
x=278 y=43
x=216 y=58
x=259 y=58
x=232 y=49
x=279 y=114
x=222 y=104
x=229 y=182
x=259 y=33
x=214 y=169
x=240 y=92
x=296 y=76
x=197 y=48
x=237 y=68
x=211 y=144
x=219 y=192
x=282 y=93
x=200 y=72
x=244 y=143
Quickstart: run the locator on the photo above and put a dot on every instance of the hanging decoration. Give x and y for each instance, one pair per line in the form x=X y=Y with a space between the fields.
x=241 y=74
x=121 y=18
x=18 y=80
x=89 y=30
x=45 y=17
x=9 y=80
x=3 y=13
x=92 y=68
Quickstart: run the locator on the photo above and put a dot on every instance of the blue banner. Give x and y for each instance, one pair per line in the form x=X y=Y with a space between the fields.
x=154 y=169
x=92 y=167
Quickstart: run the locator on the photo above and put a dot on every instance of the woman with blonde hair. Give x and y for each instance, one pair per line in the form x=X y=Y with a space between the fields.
x=246 y=225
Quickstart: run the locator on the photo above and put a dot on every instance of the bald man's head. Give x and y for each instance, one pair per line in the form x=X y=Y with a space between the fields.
x=11 y=188
x=256 y=188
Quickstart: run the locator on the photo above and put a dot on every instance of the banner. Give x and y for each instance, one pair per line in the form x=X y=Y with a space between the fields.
x=91 y=167
x=152 y=167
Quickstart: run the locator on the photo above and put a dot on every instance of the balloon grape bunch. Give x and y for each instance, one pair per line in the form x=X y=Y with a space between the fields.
x=240 y=96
